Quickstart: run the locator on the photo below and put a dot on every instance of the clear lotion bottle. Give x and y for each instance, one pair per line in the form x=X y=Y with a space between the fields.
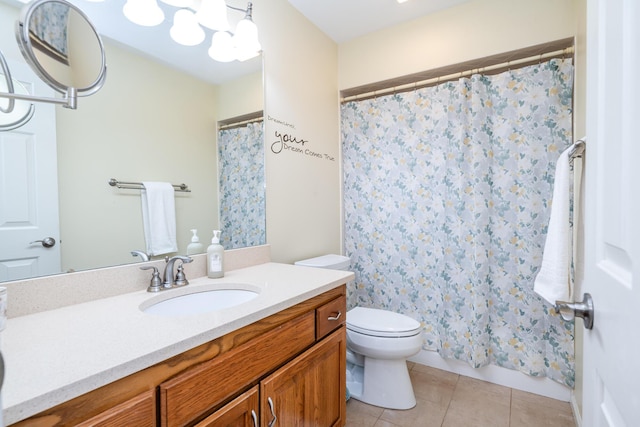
x=195 y=247
x=215 y=257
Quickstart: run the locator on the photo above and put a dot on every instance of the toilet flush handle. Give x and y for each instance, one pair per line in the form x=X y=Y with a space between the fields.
x=334 y=316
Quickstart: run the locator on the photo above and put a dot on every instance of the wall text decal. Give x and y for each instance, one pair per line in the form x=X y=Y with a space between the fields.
x=288 y=142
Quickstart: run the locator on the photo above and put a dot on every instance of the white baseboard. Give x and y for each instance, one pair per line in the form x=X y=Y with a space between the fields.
x=496 y=375
x=576 y=410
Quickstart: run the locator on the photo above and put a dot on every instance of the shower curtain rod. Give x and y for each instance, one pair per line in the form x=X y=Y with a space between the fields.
x=455 y=72
x=240 y=121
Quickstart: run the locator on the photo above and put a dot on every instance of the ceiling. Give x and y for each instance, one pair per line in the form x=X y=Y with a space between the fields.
x=341 y=20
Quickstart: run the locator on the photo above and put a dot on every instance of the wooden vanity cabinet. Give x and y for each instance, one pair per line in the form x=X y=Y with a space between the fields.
x=310 y=390
x=301 y=390
x=295 y=359
x=136 y=412
x=304 y=392
x=188 y=396
x=240 y=412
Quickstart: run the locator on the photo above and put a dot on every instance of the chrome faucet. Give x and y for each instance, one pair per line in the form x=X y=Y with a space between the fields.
x=168 y=278
x=143 y=256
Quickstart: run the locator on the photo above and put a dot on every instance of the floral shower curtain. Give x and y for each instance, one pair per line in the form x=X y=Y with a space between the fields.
x=447 y=194
x=242 y=193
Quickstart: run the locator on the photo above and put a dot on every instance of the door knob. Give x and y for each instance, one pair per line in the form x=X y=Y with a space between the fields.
x=47 y=242
x=571 y=310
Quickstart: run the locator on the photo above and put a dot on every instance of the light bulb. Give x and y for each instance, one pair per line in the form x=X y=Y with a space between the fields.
x=178 y=3
x=222 y=47
x=245 y=39
x=185 y=29
x=213 y=15
x=143 y=12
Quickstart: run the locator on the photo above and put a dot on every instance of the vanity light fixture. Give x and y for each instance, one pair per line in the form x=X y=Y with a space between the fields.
x=213 y=15
x=242 y=45
x=185 y=29
x=143 y=12
x=221 y=49
x=179 y=3
x=188 y=23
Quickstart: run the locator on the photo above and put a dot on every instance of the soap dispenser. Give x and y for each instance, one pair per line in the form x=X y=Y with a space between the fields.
x=195 y=247
x=215 y=257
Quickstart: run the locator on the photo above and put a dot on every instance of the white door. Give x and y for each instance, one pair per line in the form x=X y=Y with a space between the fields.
x=612 y=214
x=29 y=189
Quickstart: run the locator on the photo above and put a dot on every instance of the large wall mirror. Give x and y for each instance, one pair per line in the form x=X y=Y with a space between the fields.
x=152 y=121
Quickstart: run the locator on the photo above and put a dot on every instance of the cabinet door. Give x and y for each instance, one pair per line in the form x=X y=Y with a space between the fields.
x=309 y=390
x=240 y=412
x=191 y=395
x=139 y=411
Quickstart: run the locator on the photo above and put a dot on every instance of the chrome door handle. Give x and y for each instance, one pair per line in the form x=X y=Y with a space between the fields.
x=571 y=310
x=47 y=242
x=254 y=417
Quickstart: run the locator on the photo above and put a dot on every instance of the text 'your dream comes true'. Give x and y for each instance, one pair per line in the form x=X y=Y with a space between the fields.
x=287 y=142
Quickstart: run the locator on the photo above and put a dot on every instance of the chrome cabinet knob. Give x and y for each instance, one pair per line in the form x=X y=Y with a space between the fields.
x=47 y=242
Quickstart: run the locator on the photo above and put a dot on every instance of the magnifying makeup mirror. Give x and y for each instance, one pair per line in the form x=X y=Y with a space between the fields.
x=63 y=48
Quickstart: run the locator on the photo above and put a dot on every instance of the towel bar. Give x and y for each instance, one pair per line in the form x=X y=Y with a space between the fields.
x=138 y=185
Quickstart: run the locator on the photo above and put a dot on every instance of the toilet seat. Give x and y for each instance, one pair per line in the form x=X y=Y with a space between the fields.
x=381 y=323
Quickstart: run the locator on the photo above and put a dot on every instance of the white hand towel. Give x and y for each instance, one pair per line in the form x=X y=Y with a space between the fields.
x=553 y=281
x=159 y=217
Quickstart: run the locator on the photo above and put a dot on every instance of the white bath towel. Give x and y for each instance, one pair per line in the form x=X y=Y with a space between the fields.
x=553 y=281
x=159 y=217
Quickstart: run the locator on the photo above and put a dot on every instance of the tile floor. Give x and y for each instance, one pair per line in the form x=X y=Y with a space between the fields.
x=445 y=399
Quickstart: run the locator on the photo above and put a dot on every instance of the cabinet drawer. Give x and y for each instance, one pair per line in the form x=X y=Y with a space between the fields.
x=330 y=316
x=195 y=392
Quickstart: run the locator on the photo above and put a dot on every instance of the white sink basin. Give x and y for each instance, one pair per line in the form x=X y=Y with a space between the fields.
x=203 y=299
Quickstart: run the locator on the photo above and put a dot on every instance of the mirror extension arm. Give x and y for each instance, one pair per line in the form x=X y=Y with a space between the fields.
x=10 y=116
x=7 y=76
x=70 y=99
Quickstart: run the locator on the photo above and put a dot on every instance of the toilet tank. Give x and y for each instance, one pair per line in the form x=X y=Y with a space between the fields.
x=334 y=262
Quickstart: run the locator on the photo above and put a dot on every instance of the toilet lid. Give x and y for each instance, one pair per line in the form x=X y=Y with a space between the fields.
x=381 y=323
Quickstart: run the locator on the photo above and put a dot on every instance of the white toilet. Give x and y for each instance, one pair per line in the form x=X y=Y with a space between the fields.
x=378 y=345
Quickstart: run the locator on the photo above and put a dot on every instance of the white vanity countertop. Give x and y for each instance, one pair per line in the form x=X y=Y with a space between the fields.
x=54 y=356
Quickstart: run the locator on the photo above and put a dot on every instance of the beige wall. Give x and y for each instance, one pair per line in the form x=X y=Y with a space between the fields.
x=301 y=93
x=241 y=96
x=471 y=30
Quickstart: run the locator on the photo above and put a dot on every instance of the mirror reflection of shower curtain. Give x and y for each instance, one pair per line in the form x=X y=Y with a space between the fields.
x=447 y=193
x=242 y=186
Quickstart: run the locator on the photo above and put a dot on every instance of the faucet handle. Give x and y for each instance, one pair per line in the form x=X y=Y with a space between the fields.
x=181 y=279
x=156 y=283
